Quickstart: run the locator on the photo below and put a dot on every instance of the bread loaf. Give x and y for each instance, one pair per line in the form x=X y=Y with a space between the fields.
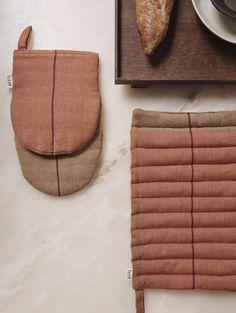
x=153 y=20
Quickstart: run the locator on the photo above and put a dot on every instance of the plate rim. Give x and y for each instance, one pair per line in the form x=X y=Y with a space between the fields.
x=208 y=26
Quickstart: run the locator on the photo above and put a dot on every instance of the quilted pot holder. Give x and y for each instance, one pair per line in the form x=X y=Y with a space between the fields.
x=56 y=112
x=183 y=201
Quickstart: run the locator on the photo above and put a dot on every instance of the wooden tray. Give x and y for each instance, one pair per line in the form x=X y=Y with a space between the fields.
x=189 y=54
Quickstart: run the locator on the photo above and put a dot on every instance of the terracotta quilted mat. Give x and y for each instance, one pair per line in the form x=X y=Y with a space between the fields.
x=183 y=201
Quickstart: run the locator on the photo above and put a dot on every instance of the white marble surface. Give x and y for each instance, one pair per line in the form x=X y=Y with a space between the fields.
x=70 y=254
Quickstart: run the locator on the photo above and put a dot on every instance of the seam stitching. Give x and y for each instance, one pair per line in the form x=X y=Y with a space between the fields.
x=192 y=219
x=52 y=104
x=52 y=114
x=58 y=177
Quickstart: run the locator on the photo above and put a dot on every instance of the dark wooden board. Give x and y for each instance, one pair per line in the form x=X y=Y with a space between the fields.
x=189 y=54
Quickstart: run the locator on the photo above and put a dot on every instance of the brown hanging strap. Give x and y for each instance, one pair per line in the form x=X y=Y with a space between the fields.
x=140 y=308
x=25 y=38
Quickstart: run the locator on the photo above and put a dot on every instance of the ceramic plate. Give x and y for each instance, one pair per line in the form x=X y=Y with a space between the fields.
x=227 y=7
x=221 y=25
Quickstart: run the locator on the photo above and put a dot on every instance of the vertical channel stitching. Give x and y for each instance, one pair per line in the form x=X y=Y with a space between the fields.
x=58 y=177
x=52 y=104
x=192 y=180
x=52 y=114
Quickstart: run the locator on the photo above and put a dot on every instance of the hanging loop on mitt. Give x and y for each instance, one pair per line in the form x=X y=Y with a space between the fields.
x=25 y=37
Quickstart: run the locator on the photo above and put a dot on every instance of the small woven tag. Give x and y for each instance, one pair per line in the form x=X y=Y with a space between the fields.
x=9 y=81
x=129 y=273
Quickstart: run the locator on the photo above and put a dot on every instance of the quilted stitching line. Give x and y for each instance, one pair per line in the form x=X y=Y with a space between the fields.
x=53 y=93
x=192 y=219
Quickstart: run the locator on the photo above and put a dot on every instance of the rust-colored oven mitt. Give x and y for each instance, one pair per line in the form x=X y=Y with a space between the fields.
x=56 y=111
x=183 y=201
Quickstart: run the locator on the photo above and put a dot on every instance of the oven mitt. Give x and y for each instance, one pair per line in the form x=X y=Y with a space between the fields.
x=56 y=112
x=183 y=201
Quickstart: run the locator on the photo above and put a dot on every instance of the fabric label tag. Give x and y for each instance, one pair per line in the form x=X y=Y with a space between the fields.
x=129 y=273
x=9 y=81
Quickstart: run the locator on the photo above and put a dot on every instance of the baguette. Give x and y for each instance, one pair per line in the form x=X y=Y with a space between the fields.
x=153 y=20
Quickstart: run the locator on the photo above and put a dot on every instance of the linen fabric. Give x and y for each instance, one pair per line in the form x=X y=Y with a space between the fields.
x=63 y=174
x=183 y=168
x=55 y=103
x=56 y=116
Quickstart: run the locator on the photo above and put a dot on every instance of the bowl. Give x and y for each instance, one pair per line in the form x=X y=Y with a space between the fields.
x=227 y=7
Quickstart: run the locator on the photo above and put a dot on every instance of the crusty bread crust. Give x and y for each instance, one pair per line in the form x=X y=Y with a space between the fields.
x=153 y=20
